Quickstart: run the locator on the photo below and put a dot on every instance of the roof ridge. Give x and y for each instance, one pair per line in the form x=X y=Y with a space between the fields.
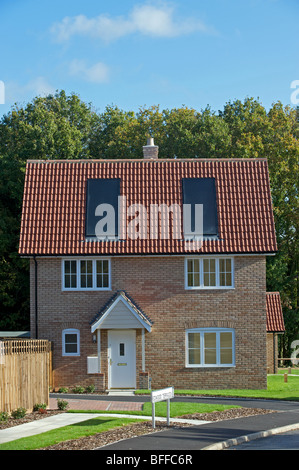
x=131 y=160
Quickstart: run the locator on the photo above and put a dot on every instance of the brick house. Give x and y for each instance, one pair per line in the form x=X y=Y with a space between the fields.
x=275 y=327
x=146 y=304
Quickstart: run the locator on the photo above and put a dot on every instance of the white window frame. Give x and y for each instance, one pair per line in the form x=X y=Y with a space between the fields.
x=202 y=332
x=201 y=259
x=94 y=274
x=71 y=331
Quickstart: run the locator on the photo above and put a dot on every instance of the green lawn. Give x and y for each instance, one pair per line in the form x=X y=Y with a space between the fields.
x=277 y=389
x=176 y=409
x=100 y=424
x=73 y=431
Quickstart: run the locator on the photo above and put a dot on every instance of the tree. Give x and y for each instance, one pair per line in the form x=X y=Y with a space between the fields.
x=54 y=127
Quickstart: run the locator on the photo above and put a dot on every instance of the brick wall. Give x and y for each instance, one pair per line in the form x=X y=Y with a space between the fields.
x=157 y=286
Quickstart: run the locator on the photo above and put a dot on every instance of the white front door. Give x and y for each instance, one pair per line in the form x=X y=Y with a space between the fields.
x=122 y=358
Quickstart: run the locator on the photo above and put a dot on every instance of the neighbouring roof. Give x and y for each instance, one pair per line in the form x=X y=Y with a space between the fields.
x=129 y=302
x=14 y=334
x=275 y=322
x=54 y=204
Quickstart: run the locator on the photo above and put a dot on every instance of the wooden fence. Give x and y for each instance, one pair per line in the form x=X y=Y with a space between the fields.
x=25 y=373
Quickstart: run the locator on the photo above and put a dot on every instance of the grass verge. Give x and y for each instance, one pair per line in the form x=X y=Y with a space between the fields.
x=176 y=409
x=73 y=431
x=276 y=389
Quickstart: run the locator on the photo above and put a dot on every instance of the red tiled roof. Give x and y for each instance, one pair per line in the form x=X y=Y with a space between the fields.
x=275 y=322
x=53 y=217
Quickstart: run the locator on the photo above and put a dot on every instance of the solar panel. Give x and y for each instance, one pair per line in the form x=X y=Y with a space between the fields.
x=100 y=194
x=202 y=191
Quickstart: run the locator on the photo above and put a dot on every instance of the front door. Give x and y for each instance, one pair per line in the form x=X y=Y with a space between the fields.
x=122 y=358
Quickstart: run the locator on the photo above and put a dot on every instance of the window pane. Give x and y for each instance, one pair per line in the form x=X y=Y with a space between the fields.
x=106 y=267
x=194 y=356
x=212 y=279
x=190 y=266
x=70 y=274
x=70 y=343
x=99 y=267
x=194 y=340
x=225 y=268
x=190 y=280
x=71 y=338
x=210 y=348
x=222 y=265
x=228 y=279
x=196 y=265
x=226 y=356
x=71 y=348
x=226 y=340
x=67 y=266
x=222 y=279
x=210 y=340
x=210 y=356
x=196 y=279
x=86 y=274
x=122 y=349
x=105 y=280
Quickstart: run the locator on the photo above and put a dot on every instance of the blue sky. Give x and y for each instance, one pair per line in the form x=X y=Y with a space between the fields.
x=134 y=53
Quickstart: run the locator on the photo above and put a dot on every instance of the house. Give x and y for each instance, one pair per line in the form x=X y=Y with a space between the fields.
x=150 y=272
x=275 y=327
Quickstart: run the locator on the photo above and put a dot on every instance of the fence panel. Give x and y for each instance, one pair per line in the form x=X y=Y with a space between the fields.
x=25 y=373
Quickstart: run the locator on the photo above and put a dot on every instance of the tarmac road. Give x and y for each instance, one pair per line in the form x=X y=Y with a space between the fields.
x=285 y=441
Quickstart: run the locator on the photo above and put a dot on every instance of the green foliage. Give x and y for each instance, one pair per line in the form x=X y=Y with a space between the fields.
x=19 y=413
x=90 y=389
x=63 y=390
x=3 y=416
x=62 y=404
x=39 y=406
x=78 y=389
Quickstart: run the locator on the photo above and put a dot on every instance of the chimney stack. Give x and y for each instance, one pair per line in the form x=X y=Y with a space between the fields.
x=150 y=151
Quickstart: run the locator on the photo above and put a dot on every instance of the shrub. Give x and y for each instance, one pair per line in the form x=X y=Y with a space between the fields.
x=19 y=413
x=90 y=389
x=62 y=404
x=39 y=406
x=78 y=389
x=63 y=390
x=4 y=416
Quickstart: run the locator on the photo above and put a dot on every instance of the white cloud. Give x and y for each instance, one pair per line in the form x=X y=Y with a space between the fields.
x=97 y=73
x=36 y=87
x=144 y=19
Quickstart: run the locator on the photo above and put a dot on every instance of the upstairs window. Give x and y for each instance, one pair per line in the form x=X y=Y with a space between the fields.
x=86 y=274
x=209 y=273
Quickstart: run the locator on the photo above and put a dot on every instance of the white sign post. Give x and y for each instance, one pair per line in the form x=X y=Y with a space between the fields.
x=161 y=395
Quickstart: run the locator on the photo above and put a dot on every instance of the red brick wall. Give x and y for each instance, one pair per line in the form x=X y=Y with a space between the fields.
x=157 y=286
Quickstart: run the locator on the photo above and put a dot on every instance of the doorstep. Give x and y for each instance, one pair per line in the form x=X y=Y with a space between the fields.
x=125 y=392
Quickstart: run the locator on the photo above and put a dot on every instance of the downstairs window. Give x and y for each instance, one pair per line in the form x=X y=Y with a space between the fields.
x=210 y=347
